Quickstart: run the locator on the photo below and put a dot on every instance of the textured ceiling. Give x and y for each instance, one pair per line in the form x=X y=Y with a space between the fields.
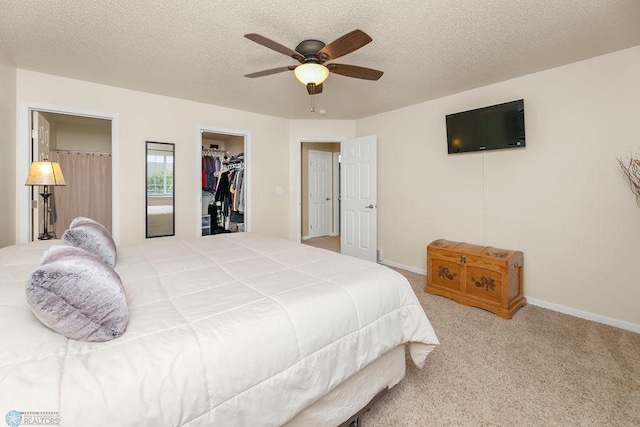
x=195 y=49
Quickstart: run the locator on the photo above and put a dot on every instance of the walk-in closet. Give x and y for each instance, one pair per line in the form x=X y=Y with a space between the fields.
x=223 y=183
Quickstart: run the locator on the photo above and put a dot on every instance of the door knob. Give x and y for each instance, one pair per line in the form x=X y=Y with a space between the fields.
x=369 y=207
x=328 y=198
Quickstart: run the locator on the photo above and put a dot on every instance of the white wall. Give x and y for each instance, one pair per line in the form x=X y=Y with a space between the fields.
x=309 y=131
x=83 y=137
x=146 y=117
x=233 y=146
x=561 y=200
x=8 y=152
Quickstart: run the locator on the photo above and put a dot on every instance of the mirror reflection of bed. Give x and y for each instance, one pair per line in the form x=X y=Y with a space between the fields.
x=159 y=217
x=160 y=197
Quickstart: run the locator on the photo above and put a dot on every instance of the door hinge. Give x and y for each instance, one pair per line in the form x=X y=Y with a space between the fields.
x=463 y=259
x=34 y=133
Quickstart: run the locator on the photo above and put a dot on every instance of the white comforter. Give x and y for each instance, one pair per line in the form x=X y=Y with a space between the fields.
x=234 y=329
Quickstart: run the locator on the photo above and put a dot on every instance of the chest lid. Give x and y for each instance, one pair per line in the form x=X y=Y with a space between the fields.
x=470 y=249
x=462 y=247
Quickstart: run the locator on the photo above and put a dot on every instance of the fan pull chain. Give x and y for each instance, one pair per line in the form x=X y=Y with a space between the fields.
x=313 y=107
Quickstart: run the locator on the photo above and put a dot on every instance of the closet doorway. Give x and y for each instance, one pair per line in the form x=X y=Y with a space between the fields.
x=82 y=146
x=320 y=189
x=224 y=178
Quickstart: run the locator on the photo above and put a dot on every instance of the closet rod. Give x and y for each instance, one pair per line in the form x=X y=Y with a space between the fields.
x=211 y=152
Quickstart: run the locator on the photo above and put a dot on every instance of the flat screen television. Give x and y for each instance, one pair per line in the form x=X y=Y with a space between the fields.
x=489 y=128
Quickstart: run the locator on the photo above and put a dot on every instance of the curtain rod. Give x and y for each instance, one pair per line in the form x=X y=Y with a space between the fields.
x=98 y=153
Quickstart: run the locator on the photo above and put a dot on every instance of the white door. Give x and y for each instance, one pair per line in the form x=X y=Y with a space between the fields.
x=336 y=194
x=358 y=198
x=320 y=192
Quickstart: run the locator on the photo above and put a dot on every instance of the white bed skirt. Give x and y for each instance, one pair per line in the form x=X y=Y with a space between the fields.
x=354 y=394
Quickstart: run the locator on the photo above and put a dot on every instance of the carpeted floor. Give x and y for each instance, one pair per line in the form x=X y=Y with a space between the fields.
x=541 y=368
x=331 y=243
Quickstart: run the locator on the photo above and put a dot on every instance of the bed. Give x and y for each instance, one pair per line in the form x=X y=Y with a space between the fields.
x=159 y=220
x=233 y=329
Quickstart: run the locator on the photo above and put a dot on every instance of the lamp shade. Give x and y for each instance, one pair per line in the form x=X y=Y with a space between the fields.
x=311 y=73
x=45 y=173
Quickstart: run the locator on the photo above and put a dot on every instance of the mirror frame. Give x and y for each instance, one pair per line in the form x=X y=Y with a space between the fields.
x=173 y=193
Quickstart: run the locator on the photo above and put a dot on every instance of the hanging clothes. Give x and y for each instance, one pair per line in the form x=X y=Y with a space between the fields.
x=229 y=195
x=223 y=187
x=204 y=173
x=224 y=178
x=211 y=165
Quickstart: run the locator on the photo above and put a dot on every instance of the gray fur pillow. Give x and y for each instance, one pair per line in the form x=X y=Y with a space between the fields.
x=59 y=252
x=90 y=235
x=83 y=220
x=77 y=295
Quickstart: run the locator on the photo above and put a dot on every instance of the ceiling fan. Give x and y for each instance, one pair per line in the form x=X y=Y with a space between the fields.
x=312 y=54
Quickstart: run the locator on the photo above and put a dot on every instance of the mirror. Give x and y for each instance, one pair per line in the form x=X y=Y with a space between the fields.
x=160 y=185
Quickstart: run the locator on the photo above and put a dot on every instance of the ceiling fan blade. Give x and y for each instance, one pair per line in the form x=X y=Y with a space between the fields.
x=275 y=46
x=314 y=89
x=355 y=71
x=344 y=45
x=269 y=72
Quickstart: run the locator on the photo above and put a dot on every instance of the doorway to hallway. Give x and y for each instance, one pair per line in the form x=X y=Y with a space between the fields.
x=82 y=147
x=320 y=189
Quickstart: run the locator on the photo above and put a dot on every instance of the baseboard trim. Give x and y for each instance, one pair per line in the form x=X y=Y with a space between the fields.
x=633 y=327
x=404 y=267
x=306 y=237
x=628 y=326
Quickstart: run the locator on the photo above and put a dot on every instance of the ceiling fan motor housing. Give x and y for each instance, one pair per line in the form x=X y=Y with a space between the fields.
x=309 y=49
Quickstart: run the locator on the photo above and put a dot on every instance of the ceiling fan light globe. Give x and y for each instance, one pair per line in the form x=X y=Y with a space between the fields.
x=311 y=73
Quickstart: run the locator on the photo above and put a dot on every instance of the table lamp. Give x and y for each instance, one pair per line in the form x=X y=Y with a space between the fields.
x=45 y=174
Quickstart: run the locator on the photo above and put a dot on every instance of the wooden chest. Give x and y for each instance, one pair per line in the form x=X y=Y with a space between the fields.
x=479 y=276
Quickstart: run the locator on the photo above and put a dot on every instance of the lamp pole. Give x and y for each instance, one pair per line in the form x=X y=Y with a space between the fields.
x=45 y=232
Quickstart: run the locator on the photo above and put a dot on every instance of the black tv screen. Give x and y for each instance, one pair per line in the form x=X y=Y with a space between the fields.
x=489 y=128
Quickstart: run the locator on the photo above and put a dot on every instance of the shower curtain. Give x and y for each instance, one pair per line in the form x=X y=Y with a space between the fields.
x=88 y=189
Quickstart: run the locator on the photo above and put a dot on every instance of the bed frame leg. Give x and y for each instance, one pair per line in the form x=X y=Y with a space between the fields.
x=355 y=420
